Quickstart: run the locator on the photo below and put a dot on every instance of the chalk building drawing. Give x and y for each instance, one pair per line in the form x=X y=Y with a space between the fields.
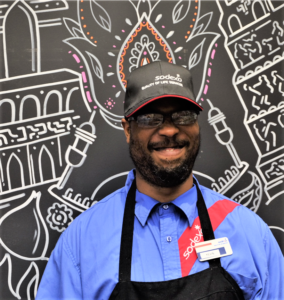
x=38 y=114
x=37 y=7
x=254 y=42
x=39 y=117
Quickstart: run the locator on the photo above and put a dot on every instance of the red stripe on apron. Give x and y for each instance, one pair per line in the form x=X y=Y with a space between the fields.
x=192 y=235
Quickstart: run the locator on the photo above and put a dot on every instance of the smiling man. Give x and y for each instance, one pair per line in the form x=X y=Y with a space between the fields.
x=164 y=236
x=164 y=155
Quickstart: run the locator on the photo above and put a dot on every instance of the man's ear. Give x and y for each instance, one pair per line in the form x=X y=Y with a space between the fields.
x=126 y=127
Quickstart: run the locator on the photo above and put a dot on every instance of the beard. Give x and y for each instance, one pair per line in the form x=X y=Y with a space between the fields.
x=175 y=172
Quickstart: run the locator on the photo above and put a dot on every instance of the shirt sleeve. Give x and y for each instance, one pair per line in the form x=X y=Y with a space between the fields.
x=274 y=286
x=61 y=278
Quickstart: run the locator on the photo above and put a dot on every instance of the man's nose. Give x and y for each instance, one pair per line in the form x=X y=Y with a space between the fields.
x=168 y=128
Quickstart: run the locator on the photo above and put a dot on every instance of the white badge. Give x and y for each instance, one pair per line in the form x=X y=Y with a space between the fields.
x=213 y=249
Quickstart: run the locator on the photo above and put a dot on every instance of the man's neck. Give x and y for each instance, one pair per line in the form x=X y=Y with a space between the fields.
x=162 y=194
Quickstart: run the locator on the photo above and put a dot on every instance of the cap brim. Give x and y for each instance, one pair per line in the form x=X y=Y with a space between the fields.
x=164 y=96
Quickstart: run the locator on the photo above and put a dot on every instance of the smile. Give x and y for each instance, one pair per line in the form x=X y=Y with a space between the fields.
x=168 y=148
x=169 y=152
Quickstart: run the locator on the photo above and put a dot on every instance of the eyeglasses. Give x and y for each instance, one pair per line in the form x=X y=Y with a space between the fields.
x=184 y=117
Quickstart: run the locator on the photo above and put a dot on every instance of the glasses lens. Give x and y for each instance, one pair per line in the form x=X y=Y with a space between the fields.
x=149 y=120
x=185 y=117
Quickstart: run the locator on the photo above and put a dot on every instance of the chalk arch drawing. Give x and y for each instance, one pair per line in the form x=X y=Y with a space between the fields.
x=14 y=158
x=67 y=103
x=34 y=35
x=22 y=105
x=47 y=100
x=12 y=106
x=234 y=20
x=258 y=4
x=40 y=162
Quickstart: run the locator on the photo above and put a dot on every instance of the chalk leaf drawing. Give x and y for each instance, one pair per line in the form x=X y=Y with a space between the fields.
x=196 y=55
x=201 y=24
x=59 y=217
x=100 y=15
x=179 y=13
x=97 y=66
x=73 y=27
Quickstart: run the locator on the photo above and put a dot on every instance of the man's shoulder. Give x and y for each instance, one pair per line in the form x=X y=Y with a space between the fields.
x=211 y=197
x=101 y=212
x=237 y=213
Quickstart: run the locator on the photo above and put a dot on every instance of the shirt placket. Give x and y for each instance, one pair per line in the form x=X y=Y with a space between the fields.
x=169 y=241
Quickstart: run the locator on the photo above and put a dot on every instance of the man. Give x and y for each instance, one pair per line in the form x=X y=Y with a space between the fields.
x=140 y=241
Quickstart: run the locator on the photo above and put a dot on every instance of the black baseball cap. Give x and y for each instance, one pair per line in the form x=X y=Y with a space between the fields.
x=155 y=81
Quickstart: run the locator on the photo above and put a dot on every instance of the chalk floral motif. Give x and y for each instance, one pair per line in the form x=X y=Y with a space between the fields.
x=59 y=217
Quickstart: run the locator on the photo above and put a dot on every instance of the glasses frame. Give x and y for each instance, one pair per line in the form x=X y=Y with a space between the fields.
x=134 y=118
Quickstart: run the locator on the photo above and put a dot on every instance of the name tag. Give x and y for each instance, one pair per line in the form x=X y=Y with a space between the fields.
x=213 y=249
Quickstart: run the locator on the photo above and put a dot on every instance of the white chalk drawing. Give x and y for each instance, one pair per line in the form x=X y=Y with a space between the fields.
x=140 y=42
x=279 y=231
x=253 y=41
x=40 y=9
x=277 y=228
x=249 y=196
x=32 y=269
x=59 y=217
x=105 y=181
x=36 y=253
x=38 y=115
x=33 y=30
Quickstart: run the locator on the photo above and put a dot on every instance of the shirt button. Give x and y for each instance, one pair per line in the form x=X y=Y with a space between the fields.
x=169 y=238
x=165 y=206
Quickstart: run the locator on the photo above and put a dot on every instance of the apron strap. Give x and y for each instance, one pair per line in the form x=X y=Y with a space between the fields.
x=128 y=230
x=127 y=235
x=207 y=230
x=206 y=226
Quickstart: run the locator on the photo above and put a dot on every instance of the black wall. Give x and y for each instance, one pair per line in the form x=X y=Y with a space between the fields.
x=62 y=148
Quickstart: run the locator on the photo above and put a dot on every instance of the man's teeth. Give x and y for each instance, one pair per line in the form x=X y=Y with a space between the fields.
x=167 y=149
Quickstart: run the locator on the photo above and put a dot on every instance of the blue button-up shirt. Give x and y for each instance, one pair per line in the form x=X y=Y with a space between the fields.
x=85 y=261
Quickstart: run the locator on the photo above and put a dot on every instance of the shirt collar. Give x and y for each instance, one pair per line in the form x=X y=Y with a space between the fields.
x=186 y=202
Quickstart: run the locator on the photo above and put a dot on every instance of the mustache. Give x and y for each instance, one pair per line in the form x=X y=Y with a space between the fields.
x=168 y=143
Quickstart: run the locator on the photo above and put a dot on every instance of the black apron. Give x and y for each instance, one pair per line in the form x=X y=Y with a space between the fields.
x=210 y=284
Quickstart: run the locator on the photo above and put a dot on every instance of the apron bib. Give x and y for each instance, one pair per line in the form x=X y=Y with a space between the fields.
x=214 y=283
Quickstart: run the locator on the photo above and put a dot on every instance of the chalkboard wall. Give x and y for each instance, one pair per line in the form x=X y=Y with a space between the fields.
x=62 y=83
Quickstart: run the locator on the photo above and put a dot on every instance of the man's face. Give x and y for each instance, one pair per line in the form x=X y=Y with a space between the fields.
x=165 y=155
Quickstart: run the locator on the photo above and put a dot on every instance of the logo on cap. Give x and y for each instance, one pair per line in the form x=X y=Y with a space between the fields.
x=168 y=77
